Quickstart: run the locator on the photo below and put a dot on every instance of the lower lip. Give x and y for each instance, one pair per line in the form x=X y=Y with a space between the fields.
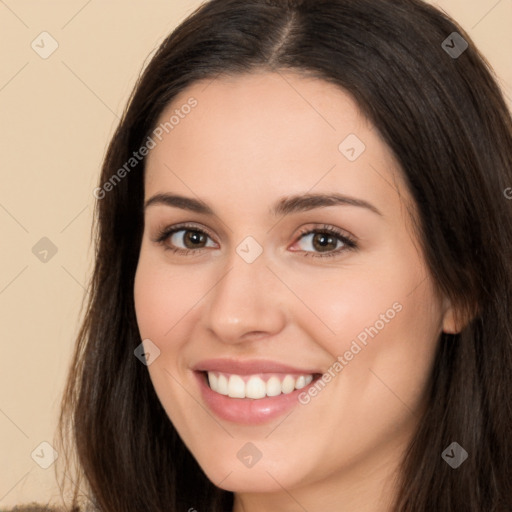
x=248 y=411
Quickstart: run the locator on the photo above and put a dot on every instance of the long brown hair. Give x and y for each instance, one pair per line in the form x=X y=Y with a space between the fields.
x=444 y=118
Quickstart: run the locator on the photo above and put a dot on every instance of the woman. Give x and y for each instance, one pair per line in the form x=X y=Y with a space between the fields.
x=217 y=368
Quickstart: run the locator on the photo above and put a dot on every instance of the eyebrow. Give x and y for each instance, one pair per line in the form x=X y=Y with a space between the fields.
x=285 y=206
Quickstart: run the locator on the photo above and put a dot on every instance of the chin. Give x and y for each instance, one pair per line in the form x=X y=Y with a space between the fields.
x=253 y=481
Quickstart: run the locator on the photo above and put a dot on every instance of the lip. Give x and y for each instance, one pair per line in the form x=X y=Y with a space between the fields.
x=248 y=411
x=250 y=367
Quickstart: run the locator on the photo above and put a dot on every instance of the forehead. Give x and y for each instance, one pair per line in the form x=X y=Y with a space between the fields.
x=260 y=113
x=250 y=137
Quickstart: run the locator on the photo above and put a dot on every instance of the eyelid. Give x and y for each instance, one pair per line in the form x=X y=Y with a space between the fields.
x=168 y=230
x=327 y=228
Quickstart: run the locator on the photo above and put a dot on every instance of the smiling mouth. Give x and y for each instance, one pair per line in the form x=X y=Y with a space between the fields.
x=256 y=386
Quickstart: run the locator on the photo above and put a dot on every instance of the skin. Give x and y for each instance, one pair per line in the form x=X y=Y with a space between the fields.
x=251 y=140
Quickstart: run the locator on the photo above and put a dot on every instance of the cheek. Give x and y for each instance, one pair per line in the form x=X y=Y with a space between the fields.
x=348 y=304
x=162 y=298
x=382 y=356
x=382 y=322
x=386 y=349
x=164 y=302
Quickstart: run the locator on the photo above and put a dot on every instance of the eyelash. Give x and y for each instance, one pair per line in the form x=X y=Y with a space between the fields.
x=348 y=242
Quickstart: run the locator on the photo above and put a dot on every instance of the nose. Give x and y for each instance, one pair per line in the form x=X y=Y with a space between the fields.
x=247 y=303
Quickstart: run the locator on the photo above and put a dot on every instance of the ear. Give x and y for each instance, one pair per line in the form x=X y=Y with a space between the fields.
x=450 y=325
x=454 y=320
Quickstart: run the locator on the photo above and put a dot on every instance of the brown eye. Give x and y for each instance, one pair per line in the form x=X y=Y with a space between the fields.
x=321 y=241
x=183 y=239
x=192 y=239
x=325 y=241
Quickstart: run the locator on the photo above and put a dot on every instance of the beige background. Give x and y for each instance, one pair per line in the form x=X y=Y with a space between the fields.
x=57 y=117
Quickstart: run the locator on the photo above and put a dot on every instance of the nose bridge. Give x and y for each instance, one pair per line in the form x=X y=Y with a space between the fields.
x=244 y=300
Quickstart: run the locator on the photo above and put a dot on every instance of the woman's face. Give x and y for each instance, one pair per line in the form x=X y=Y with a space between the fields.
x=329 y=335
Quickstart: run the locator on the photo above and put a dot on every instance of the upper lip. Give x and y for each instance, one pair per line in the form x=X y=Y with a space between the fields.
x=249 y=367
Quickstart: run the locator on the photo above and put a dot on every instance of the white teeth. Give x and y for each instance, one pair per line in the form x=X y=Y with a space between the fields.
x=236 y=387
x=255 y=387
x=301 y=382
x=222 y=384
x=273 y=386
x=288 y=384
x=213 y=380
